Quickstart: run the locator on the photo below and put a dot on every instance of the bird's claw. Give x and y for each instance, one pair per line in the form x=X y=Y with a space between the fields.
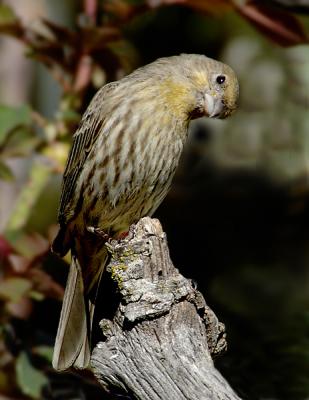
x=99 y=232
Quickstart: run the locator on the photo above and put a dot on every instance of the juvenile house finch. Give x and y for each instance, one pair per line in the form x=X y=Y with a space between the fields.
x=124 y=156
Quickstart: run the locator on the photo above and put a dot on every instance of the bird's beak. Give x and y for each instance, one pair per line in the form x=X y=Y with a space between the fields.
x=214 y=106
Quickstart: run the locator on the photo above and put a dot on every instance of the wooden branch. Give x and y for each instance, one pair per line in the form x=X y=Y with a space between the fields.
x=163 y=336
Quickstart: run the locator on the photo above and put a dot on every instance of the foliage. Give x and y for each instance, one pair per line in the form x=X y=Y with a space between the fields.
x=101 y=47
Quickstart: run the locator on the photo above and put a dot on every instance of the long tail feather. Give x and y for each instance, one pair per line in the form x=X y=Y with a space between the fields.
x=72 y=343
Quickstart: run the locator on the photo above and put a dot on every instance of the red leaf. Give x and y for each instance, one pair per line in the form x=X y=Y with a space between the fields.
x=62 y=34
x=19 y=264
x=83 y=73
x=45 y=284
x=119 y=8
x=278 y=25
x=208 y=6
x=21 y=309
x=96 y=38
x=5 y=248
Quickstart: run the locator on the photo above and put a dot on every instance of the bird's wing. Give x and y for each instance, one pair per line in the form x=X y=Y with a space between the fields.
x=83 y=140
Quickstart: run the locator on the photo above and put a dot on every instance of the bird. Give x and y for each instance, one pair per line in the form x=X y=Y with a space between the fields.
x=120 y=167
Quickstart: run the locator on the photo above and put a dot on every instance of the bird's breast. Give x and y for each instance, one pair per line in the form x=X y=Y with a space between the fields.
x=130 y=170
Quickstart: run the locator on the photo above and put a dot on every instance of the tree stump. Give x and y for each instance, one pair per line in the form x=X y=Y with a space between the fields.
x=161 y=340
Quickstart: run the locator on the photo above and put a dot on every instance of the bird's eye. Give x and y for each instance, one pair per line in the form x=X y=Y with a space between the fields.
x=220 y=79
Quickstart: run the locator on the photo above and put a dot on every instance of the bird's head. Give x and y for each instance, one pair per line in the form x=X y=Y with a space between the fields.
x=215 y=91
x=199 y=86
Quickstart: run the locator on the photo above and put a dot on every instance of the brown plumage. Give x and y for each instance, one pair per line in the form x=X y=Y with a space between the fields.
x=124 y=156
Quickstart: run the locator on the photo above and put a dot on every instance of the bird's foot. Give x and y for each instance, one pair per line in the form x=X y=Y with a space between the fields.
x=105 y=236
x=99 y=232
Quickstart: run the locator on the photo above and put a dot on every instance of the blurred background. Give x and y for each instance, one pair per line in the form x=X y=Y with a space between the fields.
x=237 y=214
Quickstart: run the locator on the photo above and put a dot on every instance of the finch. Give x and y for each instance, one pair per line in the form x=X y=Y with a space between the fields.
x=120 y=168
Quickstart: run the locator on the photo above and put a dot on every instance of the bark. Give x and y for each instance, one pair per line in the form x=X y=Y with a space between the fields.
x=162 y=338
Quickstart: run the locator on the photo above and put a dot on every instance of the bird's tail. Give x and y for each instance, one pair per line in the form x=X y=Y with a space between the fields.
x=72 y=345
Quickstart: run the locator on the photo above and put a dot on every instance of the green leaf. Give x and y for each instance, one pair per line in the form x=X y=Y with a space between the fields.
x=69 y=116
x=5 y=172
x=39 y=175
x=29 y=379
x=11 y=117
x=125 y=52
x=20 y=143
x=14 y=288
x=27 y=245
x=7 y=15
x=35 y=295
x=45 y=352
x=9 y=22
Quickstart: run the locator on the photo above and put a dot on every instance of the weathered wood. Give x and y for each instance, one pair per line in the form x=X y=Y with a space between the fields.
x=161 y=340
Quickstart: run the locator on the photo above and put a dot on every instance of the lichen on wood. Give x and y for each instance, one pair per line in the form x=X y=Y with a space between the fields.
x=163 y=336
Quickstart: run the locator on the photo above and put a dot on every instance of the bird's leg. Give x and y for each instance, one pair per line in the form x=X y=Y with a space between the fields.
x=99 y=232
